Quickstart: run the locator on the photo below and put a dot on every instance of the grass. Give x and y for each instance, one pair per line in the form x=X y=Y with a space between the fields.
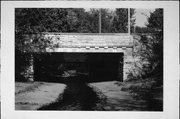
x=30 y=86
x=146 y=89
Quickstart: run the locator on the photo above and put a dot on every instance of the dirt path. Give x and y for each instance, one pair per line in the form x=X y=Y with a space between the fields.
x=77 y=96
x=100 y=96
x=117 y=99
x=104 y=96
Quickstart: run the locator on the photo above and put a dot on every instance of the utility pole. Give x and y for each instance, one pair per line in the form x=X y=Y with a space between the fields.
x=100 y=20
x=129 y=22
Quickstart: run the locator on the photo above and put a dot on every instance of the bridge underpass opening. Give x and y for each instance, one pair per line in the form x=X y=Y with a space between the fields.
x=83 y=67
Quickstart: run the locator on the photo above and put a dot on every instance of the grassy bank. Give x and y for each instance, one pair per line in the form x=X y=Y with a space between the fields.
x=145 y=90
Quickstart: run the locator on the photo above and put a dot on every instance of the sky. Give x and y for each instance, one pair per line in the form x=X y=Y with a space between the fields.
x=141 y=19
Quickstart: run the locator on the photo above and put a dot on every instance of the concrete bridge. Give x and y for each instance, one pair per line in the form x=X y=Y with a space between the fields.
x=94 y=48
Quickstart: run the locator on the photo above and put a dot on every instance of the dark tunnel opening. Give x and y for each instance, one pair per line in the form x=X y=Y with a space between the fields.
x=78 y=67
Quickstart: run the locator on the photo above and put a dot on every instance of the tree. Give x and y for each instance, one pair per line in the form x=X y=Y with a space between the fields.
x=116 y=21
x=132 y=20
x=155 y=22
x=151 y=53
x=120 y=22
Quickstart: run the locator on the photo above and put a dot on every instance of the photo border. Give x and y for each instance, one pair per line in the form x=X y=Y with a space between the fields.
x=171 y=61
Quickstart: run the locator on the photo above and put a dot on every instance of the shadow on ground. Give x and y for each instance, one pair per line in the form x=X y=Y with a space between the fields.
x=76 y=96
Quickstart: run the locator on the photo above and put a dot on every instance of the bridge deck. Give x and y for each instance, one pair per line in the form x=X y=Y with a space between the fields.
x=81 y=40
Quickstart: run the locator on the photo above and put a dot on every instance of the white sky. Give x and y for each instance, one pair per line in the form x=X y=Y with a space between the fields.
x=141 y=19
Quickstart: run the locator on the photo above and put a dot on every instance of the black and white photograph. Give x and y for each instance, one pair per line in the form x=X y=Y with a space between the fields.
x=89 y=59
x=67 y=59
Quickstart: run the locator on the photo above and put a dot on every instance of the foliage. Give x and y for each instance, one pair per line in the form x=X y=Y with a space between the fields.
x=36 y=20
x=132 y=20
x=120 y=22
x=143 y=30
x=155 y=21
x=156 y=60
x=151 y=52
